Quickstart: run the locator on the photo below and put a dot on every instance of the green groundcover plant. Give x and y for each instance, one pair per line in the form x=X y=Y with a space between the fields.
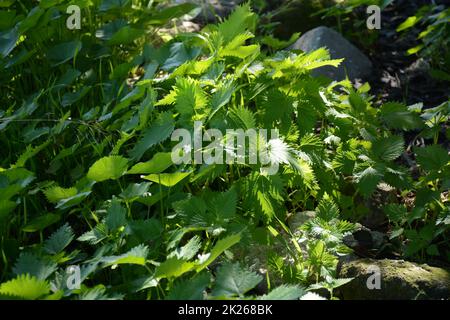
x=434 y=24
x=88 y=180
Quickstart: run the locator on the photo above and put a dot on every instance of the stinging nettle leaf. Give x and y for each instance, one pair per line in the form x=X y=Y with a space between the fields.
x=25 y=287
x=241 y=20
x=192 y=289
x=59 y=240
x=137 y=255
x=168 y=179
x=218 y=249
x=234 y=281
x=188 y=251
x=55 y=194
x=95 y=235
x=39 y=267
x=285 y=292
x=432 y=157
x=389 y=149
x=397 y=116
x=173 y=268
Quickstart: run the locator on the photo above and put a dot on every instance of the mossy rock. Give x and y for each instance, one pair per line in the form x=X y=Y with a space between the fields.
x=297 y=16
x=400 y=280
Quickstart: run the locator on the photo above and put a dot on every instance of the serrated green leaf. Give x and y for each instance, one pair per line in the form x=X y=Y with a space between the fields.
x=432 y=157
x=241 y=20
x=327 y=209
x=388 y=149
x=234 y=281
x=284 y=292
x=221 y=97
x=368 y=179
x=188 y=251
x=242 y=118
x=168 y=179
x=95 y=235
x=397 y=116
x=395 y=212
x=137 y=255
x=25 y=287
x=219 y=248
x=173 y=268
x=237 y=47
x=31 y=264
x=56 y=193
x=146 y=230
x=72 y=201
x=192 y=289
x=59 y=240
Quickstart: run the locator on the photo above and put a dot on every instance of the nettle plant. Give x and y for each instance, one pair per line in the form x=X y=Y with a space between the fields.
x=94 y=184
x=423 y=222
x=434 y=23
x=144 y=227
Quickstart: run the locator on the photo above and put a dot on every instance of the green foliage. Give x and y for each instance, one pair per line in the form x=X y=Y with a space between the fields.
x=353 y=22
x=233 y=281
x=29 y=263
x=59 y=240
x=25 y=287
x=433 y=21
x=106 y=168
x=89 y=179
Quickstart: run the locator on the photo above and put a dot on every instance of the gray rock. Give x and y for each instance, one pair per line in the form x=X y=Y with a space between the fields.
x=299 y=218
x=400 y=280
x=356 y=65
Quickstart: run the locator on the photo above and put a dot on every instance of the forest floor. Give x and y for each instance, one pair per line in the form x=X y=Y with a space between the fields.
x=399 y=77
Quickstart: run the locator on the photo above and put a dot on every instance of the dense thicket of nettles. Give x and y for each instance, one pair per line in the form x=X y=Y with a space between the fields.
x=87 y=178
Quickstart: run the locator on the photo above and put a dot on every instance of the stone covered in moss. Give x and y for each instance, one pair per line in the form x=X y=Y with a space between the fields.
x=398 y=280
